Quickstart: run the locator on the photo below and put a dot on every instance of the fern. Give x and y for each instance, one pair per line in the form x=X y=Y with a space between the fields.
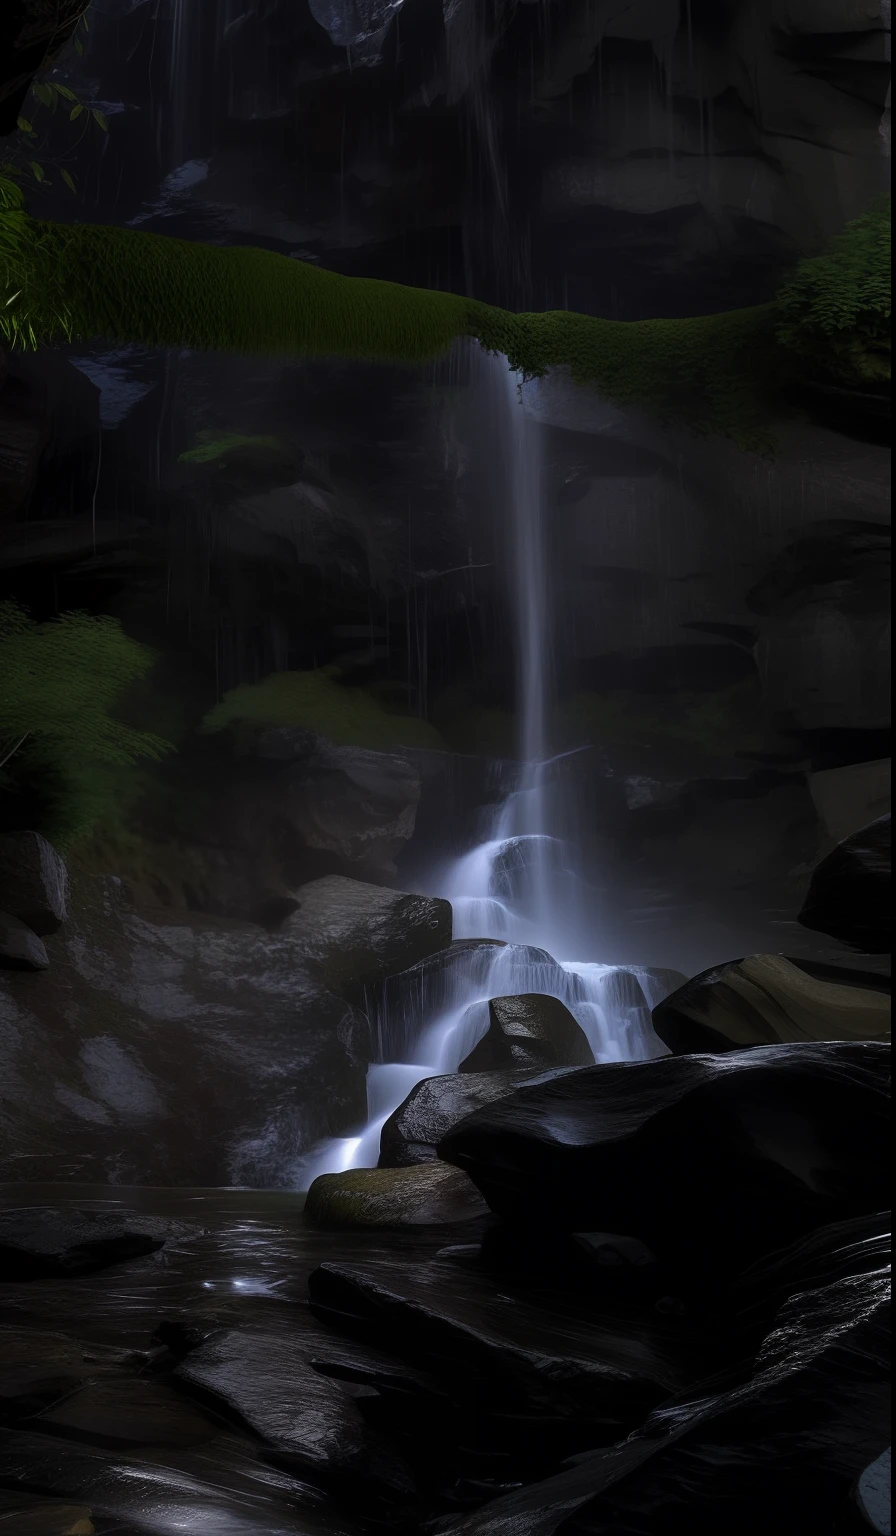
x=835 y=308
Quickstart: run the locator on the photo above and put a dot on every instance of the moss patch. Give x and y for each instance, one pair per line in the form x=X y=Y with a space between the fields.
x=317 y=701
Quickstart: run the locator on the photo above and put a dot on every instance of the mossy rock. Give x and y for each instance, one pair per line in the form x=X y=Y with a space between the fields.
x=426 y=1195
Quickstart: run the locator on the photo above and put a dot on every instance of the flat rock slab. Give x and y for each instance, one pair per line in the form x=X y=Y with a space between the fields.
x=20 y=947
x=312 y=1425
x=33 y=881
x=709 y=1160
x=849 y=893
x=41 y=1242
x=355 y=934
x=775 y=1452
x=135 y=1411
x=207 y=1498
x=430 y=1110
x=770 y=1000
x=531 y=1030
x=513 y=1355
x=429 y=1194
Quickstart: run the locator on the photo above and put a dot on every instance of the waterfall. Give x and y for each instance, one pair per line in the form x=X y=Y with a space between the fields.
x=521 y=885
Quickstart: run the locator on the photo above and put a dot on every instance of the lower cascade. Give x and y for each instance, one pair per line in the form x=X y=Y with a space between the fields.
x=519 y=902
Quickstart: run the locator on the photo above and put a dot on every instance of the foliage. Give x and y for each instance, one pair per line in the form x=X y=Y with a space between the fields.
x=716 y=373
x=835 y=308
x=317 y=701
x=216 y=446
x=60 y=742
x=28 y=154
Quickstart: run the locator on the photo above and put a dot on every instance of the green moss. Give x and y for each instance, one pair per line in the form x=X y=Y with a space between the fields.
x=834 y=311
x=317 y=701
x=64 y=749
x=715 y=373
x=215 y=447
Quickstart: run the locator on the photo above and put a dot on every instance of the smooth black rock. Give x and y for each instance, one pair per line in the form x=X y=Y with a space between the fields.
x=33 y=881
x=776 y=1454
x=849 y=893
x=709 y=1160
x=41 y=1242
x=538 y=1360
x=830 y=1253
x=429 y=1112
x=529 y=1031
x=767 y=1000
x=307 y=1422
x=20 y=947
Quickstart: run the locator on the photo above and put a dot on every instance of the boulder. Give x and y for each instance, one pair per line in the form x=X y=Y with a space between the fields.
x=848 y=799
x=33 y=881
x=767 y=1000
x=529 y=1031
x=196 y=1051
x=872 y=1494
x=393 y=1197
x=709 y=1160
x=838 y=1251
x=778 y=1450
x=354 y=806
x=20 y=948
x=44 y=1242
x=849 y=893
x=354 y=934
x=307 y=1422
x=436 y=1105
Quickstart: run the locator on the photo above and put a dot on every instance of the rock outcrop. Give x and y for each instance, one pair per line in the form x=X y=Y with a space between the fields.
x=769 y=1000
x=528 y=1031
x=33 y=881
x=849 y=893
x=355 y=935
x=436 y=1105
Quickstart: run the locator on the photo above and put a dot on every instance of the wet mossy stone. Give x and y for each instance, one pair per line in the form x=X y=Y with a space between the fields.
x=424 y=1196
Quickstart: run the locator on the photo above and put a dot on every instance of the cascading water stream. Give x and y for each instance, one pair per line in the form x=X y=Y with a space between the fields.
x=519 y=885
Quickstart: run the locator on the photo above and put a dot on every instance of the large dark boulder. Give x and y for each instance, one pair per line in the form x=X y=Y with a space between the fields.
x=41 y=1242
x=354 y=934
x=709 y=1160
x=778 y=1453
x=33 y=881
x=423 y=1196
x=529 y=1031
x=429 y=1112
x=767 y=1000
x=849 y=893
x=161 y=1050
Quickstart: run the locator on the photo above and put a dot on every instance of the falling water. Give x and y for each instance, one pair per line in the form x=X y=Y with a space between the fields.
x=520 y=885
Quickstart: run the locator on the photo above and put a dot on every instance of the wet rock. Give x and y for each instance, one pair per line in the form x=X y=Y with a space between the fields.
x=24 y=432
x=224 y=1497
x=170 y=1052
x=35 y=1366
x=305 y=1420
x=529 y=1031
x=779 y=1450
x=436 y=1105
x=29 y=1515
x=355 y=934
x=872 y=1495
x=540 y=1364
x=393 y=1197
x=355 y=807
x=767 y=999
x=849 y=893
x=132 y=1411
x=43 y=1242
x=33 y=881
x=20 y=948
x=850 y=798
x=838 y=1251
x=796 y=1133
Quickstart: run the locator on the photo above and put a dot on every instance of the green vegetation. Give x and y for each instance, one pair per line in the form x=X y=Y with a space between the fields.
x=317 y=701
x=61 y=747
x=716 y=373
x=217 y=447
x=834 y=311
